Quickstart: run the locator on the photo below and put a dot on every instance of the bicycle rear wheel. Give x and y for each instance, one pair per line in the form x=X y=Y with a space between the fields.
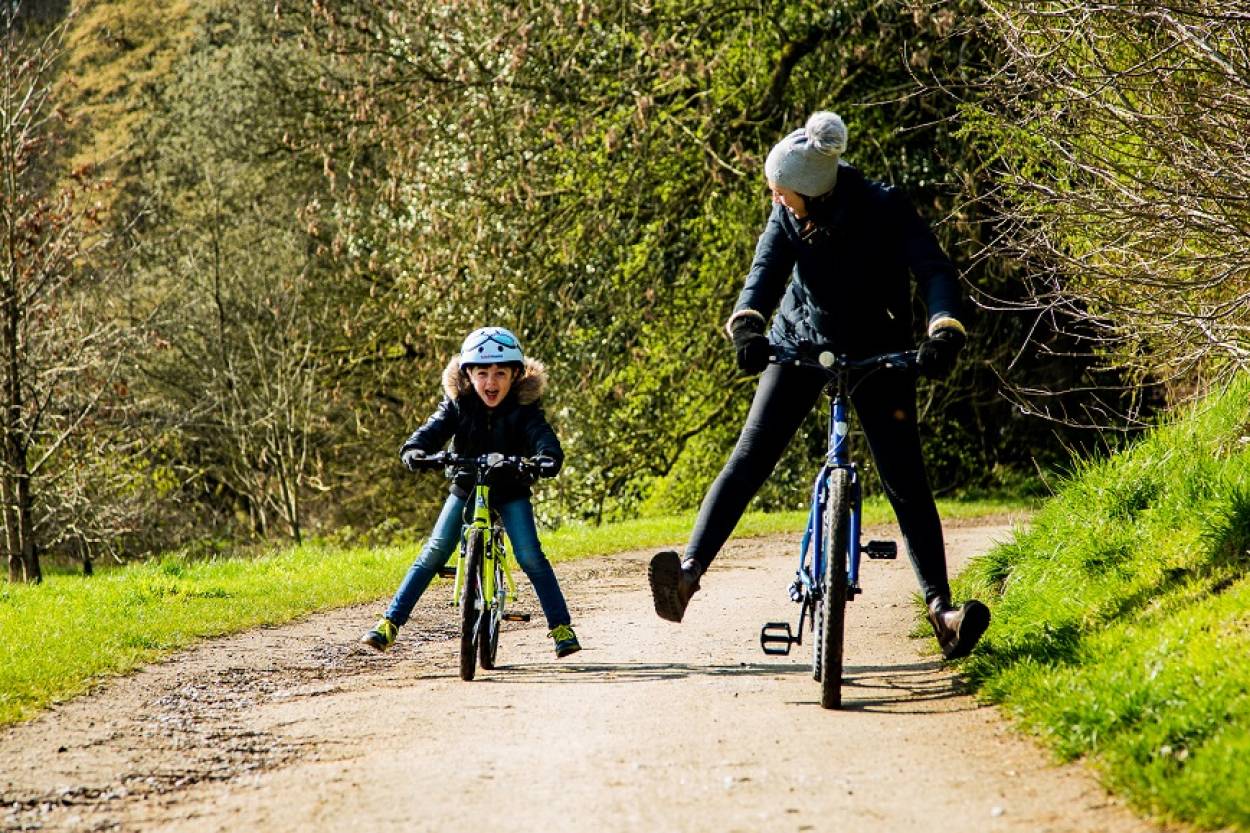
x=492 y=621
x=470 y=604
x=832 y=613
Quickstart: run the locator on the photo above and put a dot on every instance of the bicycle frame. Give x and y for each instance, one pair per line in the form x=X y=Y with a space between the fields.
x=494 y=552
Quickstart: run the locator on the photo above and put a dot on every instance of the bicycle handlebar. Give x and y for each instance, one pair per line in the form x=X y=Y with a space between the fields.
x=484 y=462
x=813 y=355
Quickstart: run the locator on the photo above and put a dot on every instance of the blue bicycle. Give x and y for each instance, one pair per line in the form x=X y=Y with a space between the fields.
x=828 y=574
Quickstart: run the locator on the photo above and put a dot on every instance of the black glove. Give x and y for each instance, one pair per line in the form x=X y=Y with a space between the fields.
x=936 y=355
x=547 y=466
x=750 y=343
x=411 y=458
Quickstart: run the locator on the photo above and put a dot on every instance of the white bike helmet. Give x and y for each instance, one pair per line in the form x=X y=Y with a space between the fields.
x=491 y=345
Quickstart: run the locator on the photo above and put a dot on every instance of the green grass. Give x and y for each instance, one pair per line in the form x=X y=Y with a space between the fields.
x=61 y=637
x=1122 y=618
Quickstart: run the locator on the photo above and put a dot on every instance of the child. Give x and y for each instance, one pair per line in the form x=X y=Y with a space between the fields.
x=491 y=405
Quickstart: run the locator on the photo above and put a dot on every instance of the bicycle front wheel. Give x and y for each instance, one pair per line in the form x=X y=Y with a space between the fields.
x=471 y=606
x=832 y=613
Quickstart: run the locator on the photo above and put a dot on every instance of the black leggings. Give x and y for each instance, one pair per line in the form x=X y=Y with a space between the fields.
x=885 y=404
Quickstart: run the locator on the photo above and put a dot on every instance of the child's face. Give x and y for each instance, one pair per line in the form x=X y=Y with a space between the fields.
x=491 y=382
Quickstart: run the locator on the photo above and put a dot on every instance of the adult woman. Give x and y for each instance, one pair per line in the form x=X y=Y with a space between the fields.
x=838 y=254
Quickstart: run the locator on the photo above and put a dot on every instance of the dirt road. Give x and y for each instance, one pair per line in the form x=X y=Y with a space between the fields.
x=653 y=727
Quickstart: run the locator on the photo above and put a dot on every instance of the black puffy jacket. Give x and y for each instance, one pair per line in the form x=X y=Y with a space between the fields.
x=516 y=426
x=848 y=282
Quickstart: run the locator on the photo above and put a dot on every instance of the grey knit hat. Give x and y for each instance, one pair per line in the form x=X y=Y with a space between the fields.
x=806 y=161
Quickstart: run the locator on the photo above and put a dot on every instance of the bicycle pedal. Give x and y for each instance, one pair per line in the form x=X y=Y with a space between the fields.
x=882 y=549
x=777 y=634
x=516 y=617
x=447 y=572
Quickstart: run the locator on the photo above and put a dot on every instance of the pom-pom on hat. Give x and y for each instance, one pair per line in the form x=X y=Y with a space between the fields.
x=806 y=161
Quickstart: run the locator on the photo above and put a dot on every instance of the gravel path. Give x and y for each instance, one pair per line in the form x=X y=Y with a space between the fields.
x=653 y=727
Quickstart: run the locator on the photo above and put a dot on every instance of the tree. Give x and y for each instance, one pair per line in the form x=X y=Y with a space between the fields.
x=233 y=278
x=591 y=175
x=59 y=357
x=1117 y=131
x=334 y=193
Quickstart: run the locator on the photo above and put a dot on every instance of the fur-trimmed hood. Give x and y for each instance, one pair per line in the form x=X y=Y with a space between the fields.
x=528 y=388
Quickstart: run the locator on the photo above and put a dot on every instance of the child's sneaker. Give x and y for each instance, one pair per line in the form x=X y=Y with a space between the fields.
x=382 y=636
x=566 y=640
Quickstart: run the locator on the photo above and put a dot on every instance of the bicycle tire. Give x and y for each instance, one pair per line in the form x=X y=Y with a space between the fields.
x=833 y=585
x=470 y=611
x=492 y=624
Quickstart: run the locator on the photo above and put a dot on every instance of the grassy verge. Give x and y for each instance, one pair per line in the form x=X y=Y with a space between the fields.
x=61 y=636
x=1122 y=618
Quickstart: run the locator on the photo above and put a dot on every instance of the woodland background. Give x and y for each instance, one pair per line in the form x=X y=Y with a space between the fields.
x=239 y=241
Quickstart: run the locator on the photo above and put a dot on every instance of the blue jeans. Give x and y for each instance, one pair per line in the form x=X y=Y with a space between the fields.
x=518 y=521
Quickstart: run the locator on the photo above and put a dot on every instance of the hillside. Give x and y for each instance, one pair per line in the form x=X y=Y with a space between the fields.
x=1122 y=616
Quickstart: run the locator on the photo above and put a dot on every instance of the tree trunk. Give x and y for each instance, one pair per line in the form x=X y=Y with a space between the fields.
x=19 y=526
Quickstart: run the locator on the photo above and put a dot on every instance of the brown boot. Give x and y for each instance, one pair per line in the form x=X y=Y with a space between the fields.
x=673 y=582
x=958 y=628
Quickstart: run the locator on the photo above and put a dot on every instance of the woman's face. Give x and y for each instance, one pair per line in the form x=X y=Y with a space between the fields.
x=792 y=200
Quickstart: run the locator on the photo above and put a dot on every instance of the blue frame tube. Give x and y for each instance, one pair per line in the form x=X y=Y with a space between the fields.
x=804 y=575
x=839 y=433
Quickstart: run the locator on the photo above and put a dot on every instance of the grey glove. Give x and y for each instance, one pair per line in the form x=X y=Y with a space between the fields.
x=411 y=458
x=547 y=466
x=935 y=358
x=750 y=344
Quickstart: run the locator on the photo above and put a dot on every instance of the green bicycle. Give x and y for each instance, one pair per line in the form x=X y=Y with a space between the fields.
x=483 y=587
